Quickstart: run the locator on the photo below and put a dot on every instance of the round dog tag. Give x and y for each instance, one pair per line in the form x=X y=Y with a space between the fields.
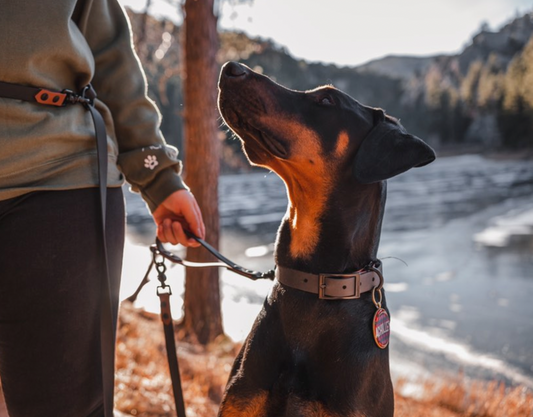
x=381 y=328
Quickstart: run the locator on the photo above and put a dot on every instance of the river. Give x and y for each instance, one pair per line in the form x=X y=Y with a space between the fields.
x=457 y=247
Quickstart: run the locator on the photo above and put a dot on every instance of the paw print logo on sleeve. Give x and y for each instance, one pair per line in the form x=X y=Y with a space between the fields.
x=150 y=162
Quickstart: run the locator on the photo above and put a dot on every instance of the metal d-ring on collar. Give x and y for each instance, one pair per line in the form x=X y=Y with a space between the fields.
x=377 y=288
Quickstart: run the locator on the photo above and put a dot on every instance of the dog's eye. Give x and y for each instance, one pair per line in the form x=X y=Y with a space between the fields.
x=326 y=101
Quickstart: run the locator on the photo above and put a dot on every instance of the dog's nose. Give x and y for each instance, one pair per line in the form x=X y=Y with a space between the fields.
x=234 y=70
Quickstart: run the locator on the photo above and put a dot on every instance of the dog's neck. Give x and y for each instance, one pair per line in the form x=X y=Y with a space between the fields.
x=346 y=230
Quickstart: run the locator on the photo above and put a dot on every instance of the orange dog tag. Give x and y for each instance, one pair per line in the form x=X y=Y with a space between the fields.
x=381 y=322
x=381 y=328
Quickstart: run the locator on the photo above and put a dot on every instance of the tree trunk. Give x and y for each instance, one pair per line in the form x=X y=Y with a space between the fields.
x=202 y=314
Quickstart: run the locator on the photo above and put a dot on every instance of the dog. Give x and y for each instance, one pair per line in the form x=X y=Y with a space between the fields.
x=313 y=350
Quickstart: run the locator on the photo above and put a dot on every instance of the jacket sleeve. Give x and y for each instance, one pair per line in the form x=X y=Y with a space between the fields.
x=148 y=163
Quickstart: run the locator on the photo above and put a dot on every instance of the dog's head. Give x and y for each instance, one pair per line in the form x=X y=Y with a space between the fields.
x=317 y=132
x=322 y=143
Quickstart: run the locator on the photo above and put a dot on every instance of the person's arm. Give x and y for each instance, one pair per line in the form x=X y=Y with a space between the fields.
x=148 y=163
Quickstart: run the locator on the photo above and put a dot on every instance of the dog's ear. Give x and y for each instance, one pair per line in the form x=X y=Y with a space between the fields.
x=388 y=150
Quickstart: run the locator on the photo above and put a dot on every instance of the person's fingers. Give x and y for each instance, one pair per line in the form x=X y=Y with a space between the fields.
x=201 y=226
x=201 y=220
x=172 y=232
x=159 y=233
x=168 y=232
x=198 y=212
x=177 y=232
x=178 y=213
x=192 y=217
x=181 y=237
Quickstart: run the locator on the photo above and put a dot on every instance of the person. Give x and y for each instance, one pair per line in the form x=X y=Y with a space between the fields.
x=51 y=240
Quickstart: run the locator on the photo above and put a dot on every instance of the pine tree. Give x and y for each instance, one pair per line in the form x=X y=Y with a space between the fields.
x=202 y=313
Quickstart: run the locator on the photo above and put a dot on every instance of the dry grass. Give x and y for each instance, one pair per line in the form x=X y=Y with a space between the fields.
x=142 y=381
x=143 y=386
x=479 y=399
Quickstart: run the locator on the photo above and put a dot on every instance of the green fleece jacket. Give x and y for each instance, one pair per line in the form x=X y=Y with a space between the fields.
x=66 y=44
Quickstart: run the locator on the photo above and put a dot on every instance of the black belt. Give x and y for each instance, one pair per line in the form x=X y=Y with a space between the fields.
x=86 y=97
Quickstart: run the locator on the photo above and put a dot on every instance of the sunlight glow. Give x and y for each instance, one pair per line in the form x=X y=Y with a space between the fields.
x=256 y=251
x=350 y=33
x=396 y=286
x=514 y=224
x=404 y=327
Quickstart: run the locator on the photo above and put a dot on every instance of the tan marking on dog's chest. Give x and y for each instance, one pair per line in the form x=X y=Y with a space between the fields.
x=235 y=406
x=297 y=406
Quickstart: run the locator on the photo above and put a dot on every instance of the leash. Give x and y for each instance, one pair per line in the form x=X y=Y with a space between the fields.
x=158 y=249
x=159 y=255
x=164 y=292
x=86 y=98
x=326 y=286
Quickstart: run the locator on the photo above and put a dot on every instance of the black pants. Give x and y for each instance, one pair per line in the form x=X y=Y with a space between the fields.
x=50 y=277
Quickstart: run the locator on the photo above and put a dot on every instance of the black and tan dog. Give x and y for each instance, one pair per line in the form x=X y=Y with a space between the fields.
x=309 y=353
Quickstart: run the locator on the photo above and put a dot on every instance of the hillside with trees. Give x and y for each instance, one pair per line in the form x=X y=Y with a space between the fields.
x=481 y=98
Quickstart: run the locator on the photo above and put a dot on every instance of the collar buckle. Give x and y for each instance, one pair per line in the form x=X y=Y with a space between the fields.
x=339 y=286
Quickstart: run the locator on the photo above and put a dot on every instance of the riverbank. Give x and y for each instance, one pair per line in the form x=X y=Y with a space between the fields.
x=143 y=386
x=464 y=227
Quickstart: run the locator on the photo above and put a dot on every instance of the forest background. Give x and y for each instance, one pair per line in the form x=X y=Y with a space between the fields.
x=480 y=99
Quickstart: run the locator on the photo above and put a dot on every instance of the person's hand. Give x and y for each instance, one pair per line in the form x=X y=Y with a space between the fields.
x=177 y=212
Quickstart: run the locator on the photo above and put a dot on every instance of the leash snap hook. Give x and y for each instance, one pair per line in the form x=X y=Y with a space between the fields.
x=86 y=96
x=161 y=269
x=270 y=274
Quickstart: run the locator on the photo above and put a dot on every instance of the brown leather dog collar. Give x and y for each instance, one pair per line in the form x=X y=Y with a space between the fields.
x=333 y=286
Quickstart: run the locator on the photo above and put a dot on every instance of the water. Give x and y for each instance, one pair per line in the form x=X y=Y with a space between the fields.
x=464 y=227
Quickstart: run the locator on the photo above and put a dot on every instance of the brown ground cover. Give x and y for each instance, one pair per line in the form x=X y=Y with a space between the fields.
x=143 y=386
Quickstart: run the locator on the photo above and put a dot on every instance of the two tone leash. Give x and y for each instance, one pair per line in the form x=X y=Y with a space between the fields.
x=158 y=249
x=327 y=286
x=86 y=97
x=159 y=255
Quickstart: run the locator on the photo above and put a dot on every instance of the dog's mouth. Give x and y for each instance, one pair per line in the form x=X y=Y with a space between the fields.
x=255 y=138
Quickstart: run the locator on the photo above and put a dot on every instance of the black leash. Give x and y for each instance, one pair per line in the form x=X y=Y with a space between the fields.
x=158 y=249
x=159 y=254
x=107 y=329
x=164 y=292
x=86 y=97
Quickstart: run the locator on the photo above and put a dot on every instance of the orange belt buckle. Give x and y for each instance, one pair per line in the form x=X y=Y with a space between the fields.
x=51 y=98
